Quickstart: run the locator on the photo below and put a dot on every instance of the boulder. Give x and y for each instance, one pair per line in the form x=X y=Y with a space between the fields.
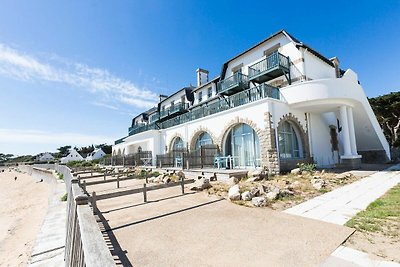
x=261 y=189
x=285 y=193
x=200 y=184
x=151 y=179
x=166 y=179
x=255 y=191
x=294 y=185
x=318 y=184
x=232 y=180
x=271 y=195
x=246 y=196
x=344 y=175
x=212 y=177
x=259 y=201
x=234 y=192
x=159 y=179
x=181 y=175
x=296 y=171
x=254 y=173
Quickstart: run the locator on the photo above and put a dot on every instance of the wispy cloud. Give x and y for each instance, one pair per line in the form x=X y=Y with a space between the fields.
x=16 y=136
x=21 y=66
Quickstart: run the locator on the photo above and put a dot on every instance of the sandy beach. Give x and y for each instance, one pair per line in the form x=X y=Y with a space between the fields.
x=23 y=208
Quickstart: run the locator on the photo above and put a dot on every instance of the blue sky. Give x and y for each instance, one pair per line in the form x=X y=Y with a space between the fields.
x=75 y=72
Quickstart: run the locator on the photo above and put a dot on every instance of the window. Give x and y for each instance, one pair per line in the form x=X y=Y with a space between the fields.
x=178 y=144
x=288 y=142
x=209 y=92
x=183 y=99
x=172 y=104
x=203 y=139
x=200 y=96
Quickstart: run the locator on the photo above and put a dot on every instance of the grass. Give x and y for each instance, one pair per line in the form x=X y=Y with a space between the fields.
x=60 y=176
x=64 y=197
x=382 y=215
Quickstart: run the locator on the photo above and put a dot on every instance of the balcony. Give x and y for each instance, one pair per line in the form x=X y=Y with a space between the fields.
x=269 y=68
x=174 y=111
x=154 y=117
x=119 y=141
x=233 y=84
x=143 y=128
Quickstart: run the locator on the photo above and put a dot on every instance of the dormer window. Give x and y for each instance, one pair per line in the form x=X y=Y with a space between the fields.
x=209 y=92
x=237 y=69
x=172 y=104
x=200 y=96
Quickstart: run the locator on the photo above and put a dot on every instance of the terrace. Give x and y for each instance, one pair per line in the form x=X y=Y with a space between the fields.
x=269 y=68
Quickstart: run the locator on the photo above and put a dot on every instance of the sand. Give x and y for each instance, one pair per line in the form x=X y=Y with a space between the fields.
x=23 y=208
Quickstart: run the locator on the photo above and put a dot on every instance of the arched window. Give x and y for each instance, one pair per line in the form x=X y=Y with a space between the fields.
x=243 y=144
x=203 y=139
x=139 y=149
x=178 y=144
x=289 y=146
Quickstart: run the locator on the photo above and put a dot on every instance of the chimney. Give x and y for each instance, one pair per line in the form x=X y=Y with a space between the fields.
x=335 y=62
x=202 y=76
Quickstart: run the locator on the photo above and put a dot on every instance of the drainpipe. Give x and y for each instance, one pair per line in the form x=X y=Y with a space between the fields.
x=304 y=63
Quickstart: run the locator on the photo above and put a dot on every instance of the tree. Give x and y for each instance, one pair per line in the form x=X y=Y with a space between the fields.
x=106 y=148
x=5 y=157
x=63 y=151
x=387 y=111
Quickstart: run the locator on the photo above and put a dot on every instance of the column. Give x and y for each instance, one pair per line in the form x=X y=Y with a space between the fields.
x=353 y=144
x=345 y=131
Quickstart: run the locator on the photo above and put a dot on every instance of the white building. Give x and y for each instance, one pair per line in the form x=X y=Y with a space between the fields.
x=73 y=155
x=96 y=154
x=46 y=156
x=276 y=104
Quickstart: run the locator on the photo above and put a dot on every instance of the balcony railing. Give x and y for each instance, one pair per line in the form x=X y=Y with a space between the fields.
x=233 y=84
x=119 y=141
x=177 y=108
x=271 y=67
x=244 y=97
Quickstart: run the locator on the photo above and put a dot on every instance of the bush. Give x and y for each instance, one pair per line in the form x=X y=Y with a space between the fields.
x=61 y=176
x=64 y=197
x=306 y=167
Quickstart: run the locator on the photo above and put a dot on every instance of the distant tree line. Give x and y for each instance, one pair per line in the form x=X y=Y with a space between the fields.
x=61 y=152
x=387 y=111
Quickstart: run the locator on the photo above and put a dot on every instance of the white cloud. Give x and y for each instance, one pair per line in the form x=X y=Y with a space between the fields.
x=21 y=66
x=20 y=137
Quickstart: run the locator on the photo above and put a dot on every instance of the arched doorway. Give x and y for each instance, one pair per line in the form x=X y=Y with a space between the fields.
x=289 y=141
x=203 y=139
x=243 y=144
x=178 y=144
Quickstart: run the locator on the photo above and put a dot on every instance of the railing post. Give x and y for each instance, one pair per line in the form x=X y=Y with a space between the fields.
x=183 y=185
x=144 y=193
x=147 y=179
x=105 y=175
x=94 y=203
x=118 y=181
x=84 y=186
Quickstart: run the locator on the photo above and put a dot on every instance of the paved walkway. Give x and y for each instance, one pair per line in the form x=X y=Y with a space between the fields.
x=342 y=204
x=50 y=242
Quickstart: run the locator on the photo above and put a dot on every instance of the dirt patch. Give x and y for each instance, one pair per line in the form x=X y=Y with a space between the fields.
x=299 y=188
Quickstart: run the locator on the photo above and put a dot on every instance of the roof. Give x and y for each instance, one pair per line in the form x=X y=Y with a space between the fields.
x=184 y=89
x=293 y=39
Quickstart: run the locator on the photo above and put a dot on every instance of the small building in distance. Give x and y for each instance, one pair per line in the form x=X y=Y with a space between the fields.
x=72 y=156
x=46 y=156
x=96 y=154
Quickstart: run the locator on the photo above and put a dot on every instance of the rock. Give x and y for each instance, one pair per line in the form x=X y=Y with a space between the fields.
x=296 y=171
x=344 y=175
x=181 y=175
x=200 y=184
x=255 y=191
x=286 y=193
x=212 y=177
x=259 y=201
x=316 y=177
x=318 y=184
x=271 y=195
x=294 y=185
x=323 y=172
x=166 y=180
x=151 y=179
x=232 y=180
x=254 y=173
x=234 y=192
x=158 y=179
x=246 y=196
x=254 y=179
x=261 y=189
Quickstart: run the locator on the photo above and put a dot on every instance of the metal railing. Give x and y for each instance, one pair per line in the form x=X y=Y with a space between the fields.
x=236 y=80
x=174 y=109
x=244 y=97
x=271 y=62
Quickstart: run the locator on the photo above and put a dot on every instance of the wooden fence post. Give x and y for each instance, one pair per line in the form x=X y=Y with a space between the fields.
x=144 y=193
x=118 y=181
x=183 y=185
x=147 y=179
x=105 y=175
x=84 y=186
x=94 y=204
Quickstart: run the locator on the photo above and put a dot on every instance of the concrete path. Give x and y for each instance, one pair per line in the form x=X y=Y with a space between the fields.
x=342 y=204
x=50 y=242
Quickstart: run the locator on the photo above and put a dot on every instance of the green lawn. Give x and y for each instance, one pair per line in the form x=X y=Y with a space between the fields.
x=382 y=215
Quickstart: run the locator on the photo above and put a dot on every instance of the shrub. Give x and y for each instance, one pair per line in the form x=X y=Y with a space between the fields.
x=156 y=174
x=306 y=167
x=64 y=197
x=61 y=176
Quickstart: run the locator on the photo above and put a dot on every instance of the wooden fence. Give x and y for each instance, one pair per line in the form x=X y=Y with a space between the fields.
x=143 y=158
x=84 y=244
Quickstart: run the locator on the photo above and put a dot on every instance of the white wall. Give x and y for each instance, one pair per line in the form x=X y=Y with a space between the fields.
x=316 y=68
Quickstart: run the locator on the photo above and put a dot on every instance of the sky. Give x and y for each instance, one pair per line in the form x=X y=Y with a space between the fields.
x=76 y=72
